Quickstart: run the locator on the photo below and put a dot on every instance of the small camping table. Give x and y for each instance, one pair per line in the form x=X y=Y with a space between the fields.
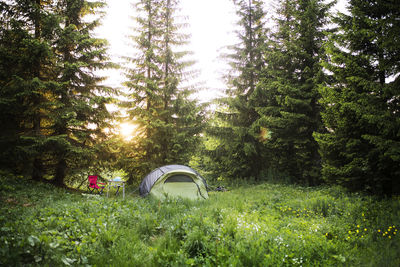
x=118 y=184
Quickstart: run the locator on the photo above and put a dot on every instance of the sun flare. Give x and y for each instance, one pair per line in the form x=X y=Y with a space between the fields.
x=127 y=130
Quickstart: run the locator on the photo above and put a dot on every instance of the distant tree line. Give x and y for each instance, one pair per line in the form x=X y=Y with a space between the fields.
x=315 y=99
x=312 y=98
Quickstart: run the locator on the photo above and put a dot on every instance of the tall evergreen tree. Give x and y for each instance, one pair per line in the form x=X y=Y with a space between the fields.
x=168 y=122
x=26 y=59
x=11 y=36
x=47 y=74
x=79 y=116
x=290 y=112
x=361 y=148
x=239 y=149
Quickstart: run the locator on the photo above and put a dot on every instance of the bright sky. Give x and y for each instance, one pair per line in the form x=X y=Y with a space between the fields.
x=210 y=32
x=211 y=25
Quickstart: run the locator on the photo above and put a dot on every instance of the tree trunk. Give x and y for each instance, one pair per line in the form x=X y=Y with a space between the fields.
x=60 y=172
x=38 y=169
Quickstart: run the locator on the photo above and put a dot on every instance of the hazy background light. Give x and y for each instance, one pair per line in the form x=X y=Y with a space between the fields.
x=212 y=25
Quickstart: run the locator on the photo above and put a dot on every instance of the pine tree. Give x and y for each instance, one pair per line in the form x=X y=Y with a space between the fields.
x=26 y=58
x=361 y=148
x=47 y=74
x=79 y=115
x=239 y=149
x=290 y=113
x=11 y=36
x=168 y=121
x=143 y=82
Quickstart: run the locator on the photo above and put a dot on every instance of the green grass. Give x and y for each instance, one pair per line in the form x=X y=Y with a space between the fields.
x=257 y=225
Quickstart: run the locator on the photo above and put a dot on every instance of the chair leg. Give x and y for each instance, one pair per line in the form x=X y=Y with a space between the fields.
x=95 y=190
x=116 y=193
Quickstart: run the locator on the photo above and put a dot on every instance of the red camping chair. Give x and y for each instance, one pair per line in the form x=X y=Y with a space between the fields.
x=94 y=185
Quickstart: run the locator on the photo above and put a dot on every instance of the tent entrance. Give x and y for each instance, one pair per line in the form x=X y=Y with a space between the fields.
x=179 y=178
x=181 y=185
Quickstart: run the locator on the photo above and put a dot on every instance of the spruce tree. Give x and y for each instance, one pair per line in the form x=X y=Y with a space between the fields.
x=50 y=92
x=290 y=112
x=26 y=61
x=79 y=116
x=361 y=148
x=168 y=122
x=238 y=151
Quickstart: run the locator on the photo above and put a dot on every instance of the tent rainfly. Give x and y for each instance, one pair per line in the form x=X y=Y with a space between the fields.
x=174 y=181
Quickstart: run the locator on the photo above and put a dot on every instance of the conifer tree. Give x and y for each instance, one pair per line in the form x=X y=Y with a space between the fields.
x=239 y=149
x=290 y=112
x=168 y=122
x=79 y=116
x=26 y=59
x=47 y=73
x=361 y=148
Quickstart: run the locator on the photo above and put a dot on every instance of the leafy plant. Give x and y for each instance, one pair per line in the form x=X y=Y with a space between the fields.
x=249 y=225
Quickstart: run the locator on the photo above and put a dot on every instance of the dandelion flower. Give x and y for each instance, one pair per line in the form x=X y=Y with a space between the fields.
x=365 y=229
x=389 y=237
x=379 y=230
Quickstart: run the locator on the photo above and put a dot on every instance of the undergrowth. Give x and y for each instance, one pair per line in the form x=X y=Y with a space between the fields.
x=258 y=225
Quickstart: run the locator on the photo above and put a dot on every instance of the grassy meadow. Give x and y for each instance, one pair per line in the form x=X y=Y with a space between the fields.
x=248 y=225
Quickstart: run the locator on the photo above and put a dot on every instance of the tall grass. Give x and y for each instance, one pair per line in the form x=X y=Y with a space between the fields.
x=258 y=225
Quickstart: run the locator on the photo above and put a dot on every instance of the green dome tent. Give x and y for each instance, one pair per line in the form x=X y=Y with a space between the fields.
x=174 y=181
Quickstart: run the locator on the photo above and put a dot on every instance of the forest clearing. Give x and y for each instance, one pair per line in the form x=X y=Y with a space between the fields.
x=304 y=133
x=249 y=225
